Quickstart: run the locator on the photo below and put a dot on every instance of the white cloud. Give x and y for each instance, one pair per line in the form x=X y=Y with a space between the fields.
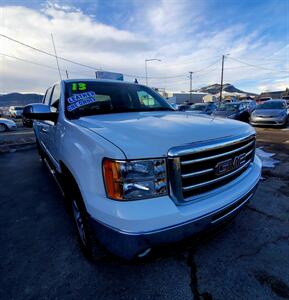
x=169 y=30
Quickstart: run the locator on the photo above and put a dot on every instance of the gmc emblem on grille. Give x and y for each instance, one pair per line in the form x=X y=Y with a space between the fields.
x=229 y=165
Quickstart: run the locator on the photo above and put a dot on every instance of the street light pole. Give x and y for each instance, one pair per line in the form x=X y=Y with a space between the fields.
x=191 y=85
x=146 y=67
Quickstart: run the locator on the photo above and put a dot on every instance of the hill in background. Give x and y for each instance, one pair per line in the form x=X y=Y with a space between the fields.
x=227 y=87
x=19 y=99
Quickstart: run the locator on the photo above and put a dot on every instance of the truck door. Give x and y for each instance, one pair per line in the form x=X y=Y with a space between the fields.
x=42 y=127
x=54 y=131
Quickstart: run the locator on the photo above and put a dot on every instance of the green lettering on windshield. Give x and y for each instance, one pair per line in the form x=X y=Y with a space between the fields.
x=79 y=86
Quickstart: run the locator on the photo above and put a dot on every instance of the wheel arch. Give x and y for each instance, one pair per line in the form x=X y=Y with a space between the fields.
x=6 y=127
x=70 y=184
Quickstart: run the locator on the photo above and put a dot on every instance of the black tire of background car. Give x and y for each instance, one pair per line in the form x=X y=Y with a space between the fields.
x=4 y=128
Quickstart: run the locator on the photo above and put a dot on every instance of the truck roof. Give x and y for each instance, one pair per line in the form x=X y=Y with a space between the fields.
x=97 y=80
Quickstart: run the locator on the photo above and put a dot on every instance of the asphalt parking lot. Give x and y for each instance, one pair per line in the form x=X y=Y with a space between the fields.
x=40 y=257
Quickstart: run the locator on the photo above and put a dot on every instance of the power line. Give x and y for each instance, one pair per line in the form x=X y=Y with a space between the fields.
x=168 y=65
x=28 y=61
x=48 y=53
x=35 y=63
x=258 y=66
x=207 y=67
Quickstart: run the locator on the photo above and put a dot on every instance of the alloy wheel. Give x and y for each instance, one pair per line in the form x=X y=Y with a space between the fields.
x=79 y=222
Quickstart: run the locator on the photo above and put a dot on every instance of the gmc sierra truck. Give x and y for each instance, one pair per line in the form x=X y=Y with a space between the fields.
x=136 y=172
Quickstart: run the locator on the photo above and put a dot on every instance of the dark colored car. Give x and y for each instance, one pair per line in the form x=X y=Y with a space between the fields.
x=27 y=122
x=250 y=104
x=203 y=108
x=236 y=111
x=287 y=99
x=184 y=107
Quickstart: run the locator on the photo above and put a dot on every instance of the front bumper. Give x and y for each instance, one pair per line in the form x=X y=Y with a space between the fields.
x=274 y=121
x=129 y=244
x=12 y=127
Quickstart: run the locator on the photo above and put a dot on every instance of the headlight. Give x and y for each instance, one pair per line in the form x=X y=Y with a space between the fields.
x=136 y=179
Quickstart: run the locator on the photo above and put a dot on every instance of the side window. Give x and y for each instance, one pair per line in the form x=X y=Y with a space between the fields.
x=55 y=97
x=147 y=100
x=47 y=96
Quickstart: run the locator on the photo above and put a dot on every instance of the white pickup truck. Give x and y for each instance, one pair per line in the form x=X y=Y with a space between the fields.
x=137 y=173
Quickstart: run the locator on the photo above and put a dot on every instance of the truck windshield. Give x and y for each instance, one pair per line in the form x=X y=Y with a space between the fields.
x=87 y=98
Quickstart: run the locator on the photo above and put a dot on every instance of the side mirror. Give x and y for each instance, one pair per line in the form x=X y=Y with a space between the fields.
x=38 y=111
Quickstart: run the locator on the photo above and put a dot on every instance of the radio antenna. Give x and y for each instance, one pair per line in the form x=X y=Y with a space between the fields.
x=56 y=56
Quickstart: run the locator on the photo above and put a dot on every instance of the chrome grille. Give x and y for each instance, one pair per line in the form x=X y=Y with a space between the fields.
x=202 y=167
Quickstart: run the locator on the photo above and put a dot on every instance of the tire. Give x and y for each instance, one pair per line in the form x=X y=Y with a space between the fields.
x=3 y=128
x=87 y=240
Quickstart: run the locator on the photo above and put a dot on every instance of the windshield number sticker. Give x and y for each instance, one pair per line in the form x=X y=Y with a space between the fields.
x=79 y=100
x=79 y=86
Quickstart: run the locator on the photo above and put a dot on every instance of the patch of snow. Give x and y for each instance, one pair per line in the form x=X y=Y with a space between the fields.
x=266 y=158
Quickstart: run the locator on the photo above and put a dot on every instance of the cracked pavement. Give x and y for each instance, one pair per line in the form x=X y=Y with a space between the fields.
x=40 y=257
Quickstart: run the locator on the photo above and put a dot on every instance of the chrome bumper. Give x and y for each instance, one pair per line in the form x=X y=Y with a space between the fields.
x=268 y=121
x=129 y=245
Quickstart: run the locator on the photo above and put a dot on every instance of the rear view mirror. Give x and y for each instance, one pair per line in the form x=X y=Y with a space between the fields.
x=38 y=111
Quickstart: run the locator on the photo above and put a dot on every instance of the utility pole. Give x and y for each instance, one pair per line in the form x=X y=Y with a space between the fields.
x=222 y=77
x=66 y=74
x=191 y=85
x=56 y=56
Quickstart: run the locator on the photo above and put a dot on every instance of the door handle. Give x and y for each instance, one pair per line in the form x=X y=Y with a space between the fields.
x=44 y=130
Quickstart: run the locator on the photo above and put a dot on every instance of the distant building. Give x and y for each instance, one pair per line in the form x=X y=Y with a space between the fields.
x=273 y=95
x=195 y=97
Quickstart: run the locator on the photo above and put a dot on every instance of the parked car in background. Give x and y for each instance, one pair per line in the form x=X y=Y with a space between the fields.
x=263 y=99
x=15 y=111
x=250 y=104
x=203 y=108
x=272 y=112
x=184 y=107
x=236 y=111
x=6 y=124
x=230 y=99
x=287 y=99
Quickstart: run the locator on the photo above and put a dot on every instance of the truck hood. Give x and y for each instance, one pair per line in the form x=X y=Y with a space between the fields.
x=224 y=114
x=152 y=134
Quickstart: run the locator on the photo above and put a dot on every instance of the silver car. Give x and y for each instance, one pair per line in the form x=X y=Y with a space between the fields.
x=271 y=112
x=6 y=124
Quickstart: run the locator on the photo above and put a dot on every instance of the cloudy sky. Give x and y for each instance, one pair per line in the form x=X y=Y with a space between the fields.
x=118 y=35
